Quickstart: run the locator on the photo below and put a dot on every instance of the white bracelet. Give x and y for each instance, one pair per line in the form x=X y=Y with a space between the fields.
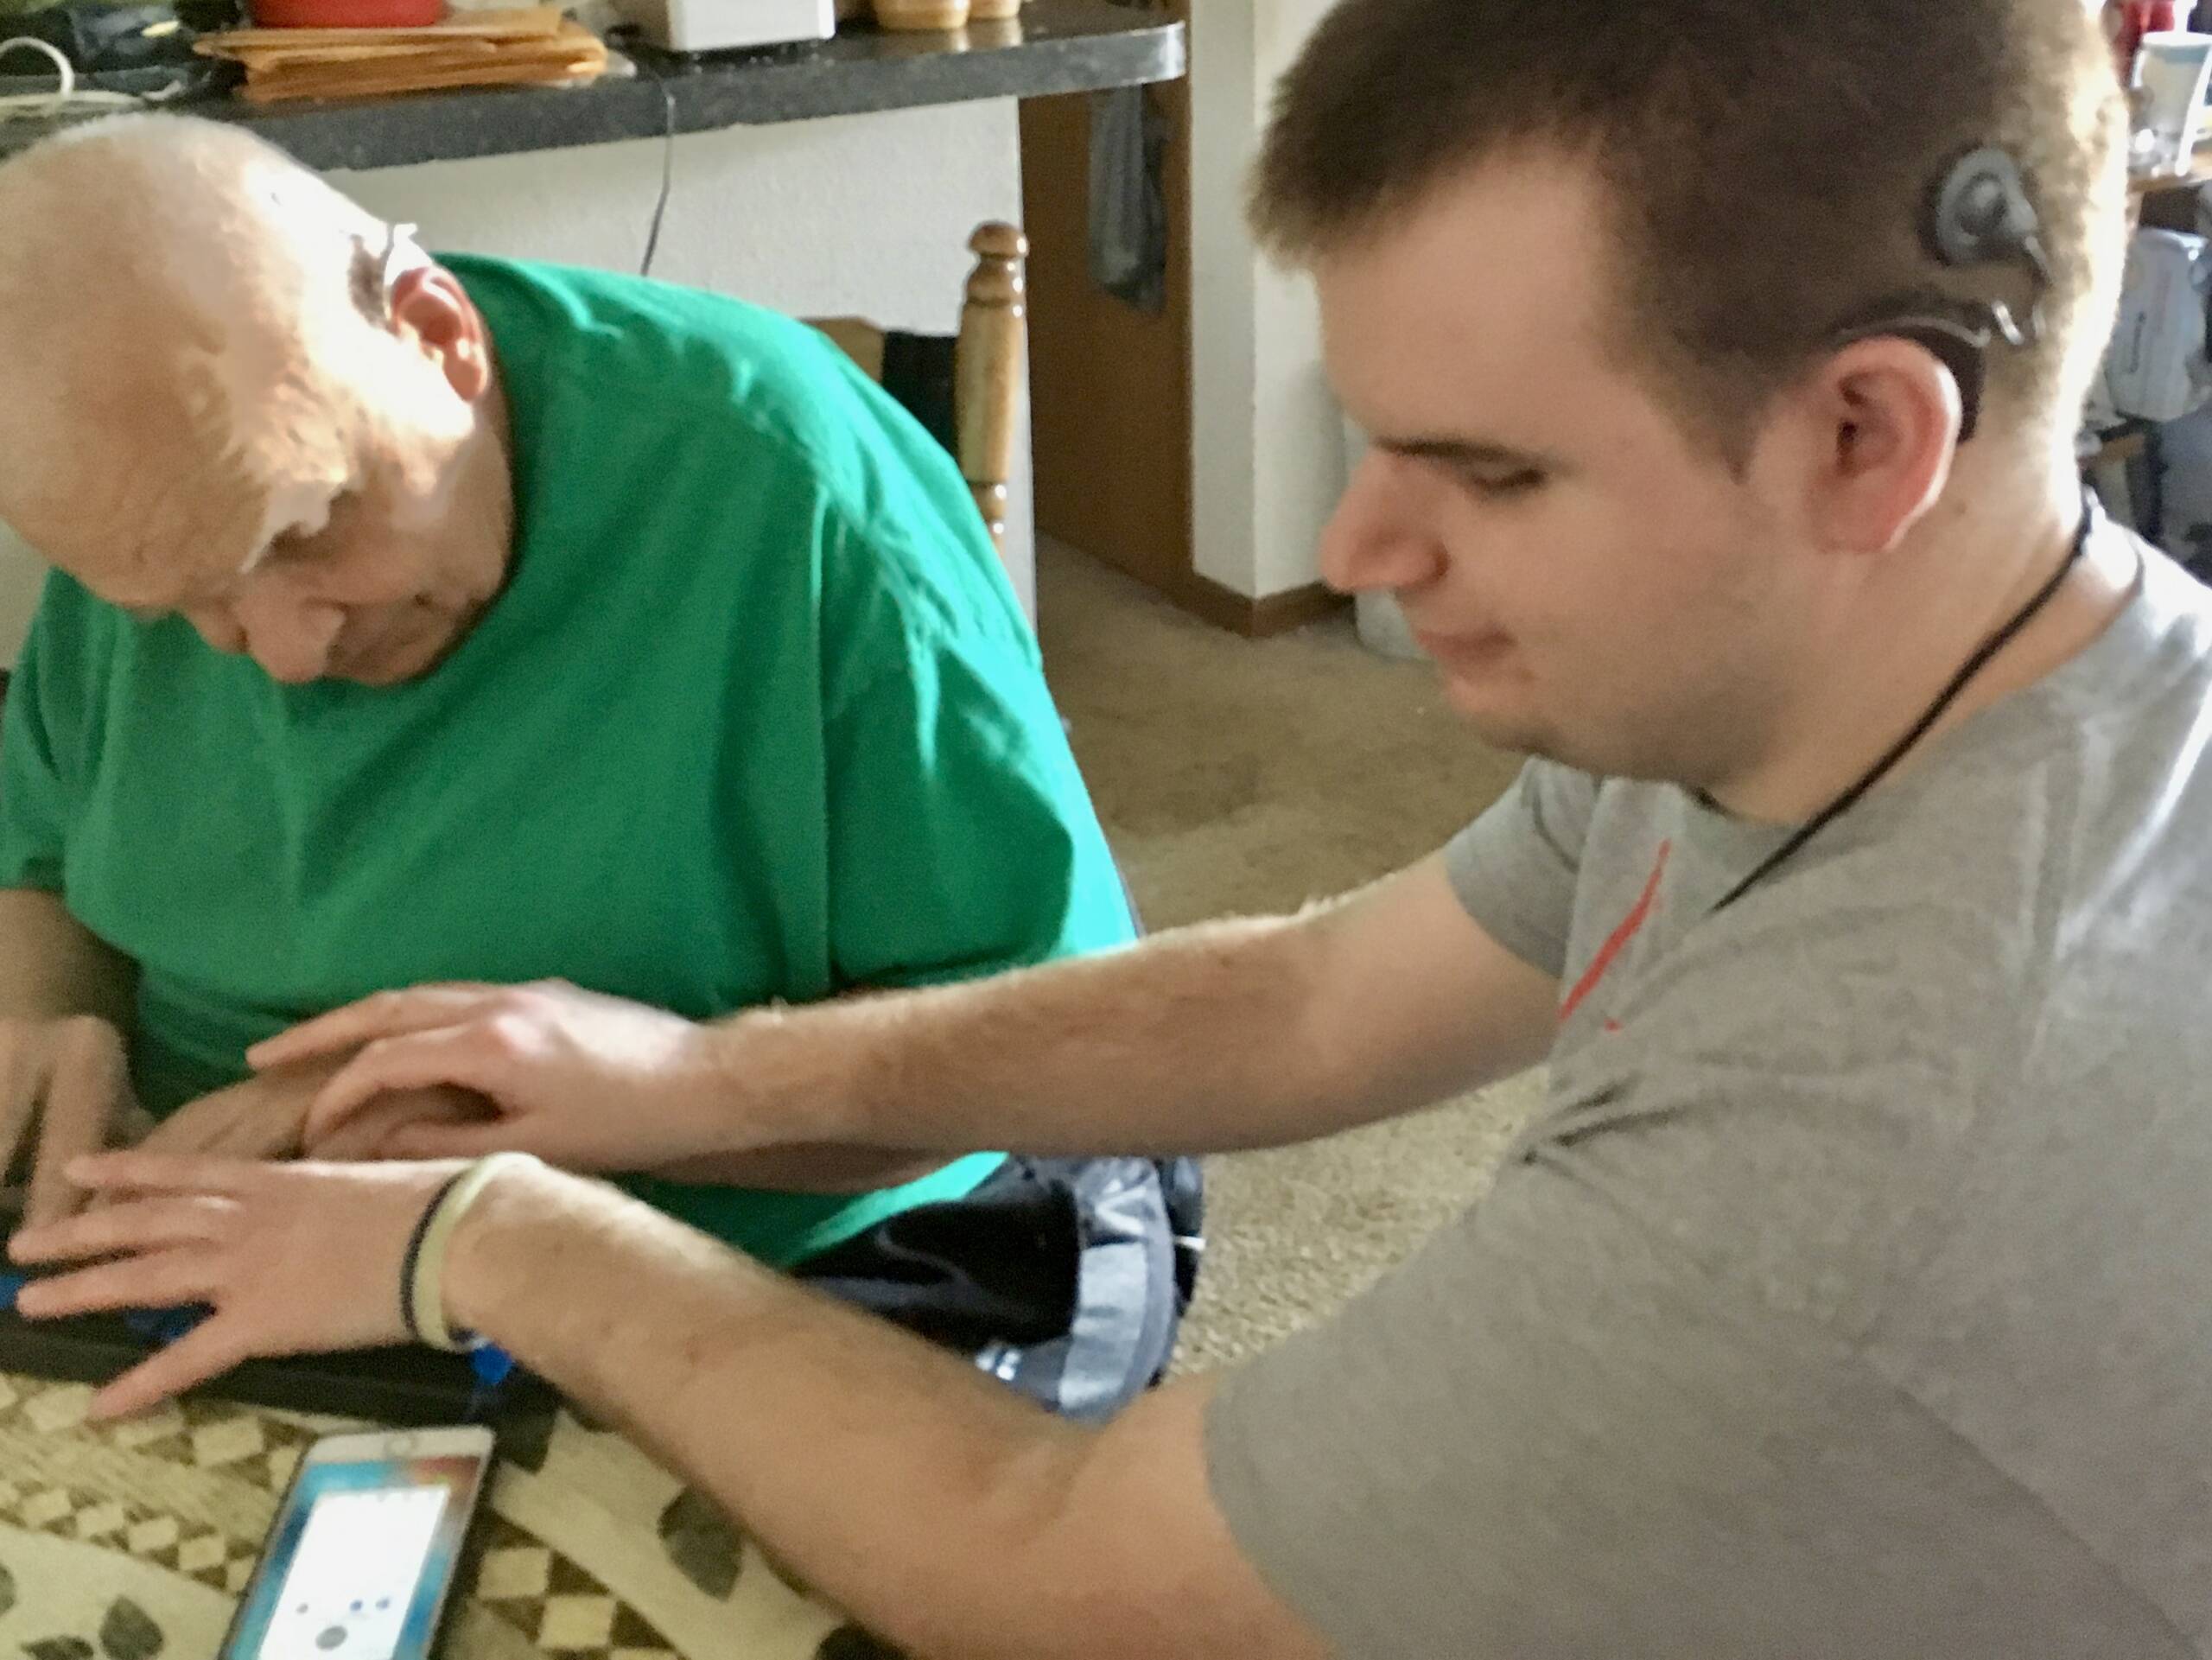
x=424 y=1272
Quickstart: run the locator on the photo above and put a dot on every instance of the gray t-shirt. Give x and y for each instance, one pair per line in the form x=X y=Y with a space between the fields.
x=1853 y=1295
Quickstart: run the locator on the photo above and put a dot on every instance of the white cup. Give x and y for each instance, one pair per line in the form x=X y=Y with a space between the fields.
x=2171 y=74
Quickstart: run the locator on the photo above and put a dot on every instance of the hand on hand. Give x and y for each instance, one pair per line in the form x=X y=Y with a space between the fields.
x=291 y=1259
x=266 y=1117
x=70 y=1078
x=586 y=1082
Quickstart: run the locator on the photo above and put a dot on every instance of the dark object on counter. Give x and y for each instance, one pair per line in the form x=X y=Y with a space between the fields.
x=203 y=78
x=95 y=37
x=145 y=49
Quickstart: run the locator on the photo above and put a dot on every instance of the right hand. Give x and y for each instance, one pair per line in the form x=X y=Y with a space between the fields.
x=288 y=1258
x=70 y=1078
x=586 y=1082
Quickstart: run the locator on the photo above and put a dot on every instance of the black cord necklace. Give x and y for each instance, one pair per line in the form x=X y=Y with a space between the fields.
x=1882 y=768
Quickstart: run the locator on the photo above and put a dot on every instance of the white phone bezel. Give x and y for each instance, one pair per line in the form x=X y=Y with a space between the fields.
x=371 y=1447
x=378 y=1447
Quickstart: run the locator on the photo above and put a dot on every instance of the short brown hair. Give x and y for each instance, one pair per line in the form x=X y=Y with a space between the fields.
x=1767 y=162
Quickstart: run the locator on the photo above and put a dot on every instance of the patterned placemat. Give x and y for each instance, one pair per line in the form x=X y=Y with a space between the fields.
x=133 y=1541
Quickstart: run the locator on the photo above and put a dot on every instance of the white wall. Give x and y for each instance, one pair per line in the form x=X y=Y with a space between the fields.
x=861 y=215
x=1269 y=444
x=1222 y=284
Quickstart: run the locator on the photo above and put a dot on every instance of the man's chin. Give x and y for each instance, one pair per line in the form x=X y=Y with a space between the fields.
x=1494 y=718
x=1507 y=723
x=1518 y=732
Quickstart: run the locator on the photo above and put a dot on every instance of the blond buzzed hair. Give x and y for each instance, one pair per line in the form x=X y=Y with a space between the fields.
x=176 y=283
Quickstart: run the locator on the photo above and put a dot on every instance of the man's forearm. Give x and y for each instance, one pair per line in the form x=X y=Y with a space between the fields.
x=894 y=1477
x=1232 y=1035
x=1202 y=1041
x=51 y=967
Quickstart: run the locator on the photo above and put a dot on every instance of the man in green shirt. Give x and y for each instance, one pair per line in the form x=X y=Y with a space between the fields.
x=419 y=620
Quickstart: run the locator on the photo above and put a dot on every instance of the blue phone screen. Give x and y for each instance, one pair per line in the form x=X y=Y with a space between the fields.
x=359 y=1561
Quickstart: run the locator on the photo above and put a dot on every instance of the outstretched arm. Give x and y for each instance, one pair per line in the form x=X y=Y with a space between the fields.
x=1234 y=1034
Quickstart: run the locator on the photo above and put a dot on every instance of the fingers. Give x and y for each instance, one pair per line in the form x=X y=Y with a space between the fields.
x=161 y=1279
x=466 y=1057
x=428 y=1143
x=260 y=1118
x=138 y=1171
x=389 y=1014
x=202 y=1354
x=261 y=1128
x=23 y=1067
x=85 y=1092
x=197 y=1127
x=361 y=1137
x=139 y=1226
x=132 y=1125
x=369 y=1133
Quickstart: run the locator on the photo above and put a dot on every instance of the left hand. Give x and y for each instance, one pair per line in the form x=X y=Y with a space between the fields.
x=266 y=1117
x=259 y=1118
x=291 y=1259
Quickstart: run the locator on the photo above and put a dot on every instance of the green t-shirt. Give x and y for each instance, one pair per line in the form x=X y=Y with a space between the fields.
x=756 y=717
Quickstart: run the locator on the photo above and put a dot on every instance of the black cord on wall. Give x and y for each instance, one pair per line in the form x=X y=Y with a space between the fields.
x=646 y=61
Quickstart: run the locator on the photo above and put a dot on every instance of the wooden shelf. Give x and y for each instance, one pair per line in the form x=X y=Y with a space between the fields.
x=2198 y=172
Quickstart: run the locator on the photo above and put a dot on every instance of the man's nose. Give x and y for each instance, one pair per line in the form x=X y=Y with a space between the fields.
x=292 y=639
x=1379 y=538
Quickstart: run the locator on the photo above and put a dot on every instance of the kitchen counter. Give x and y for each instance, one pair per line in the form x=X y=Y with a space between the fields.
x=1056 y=46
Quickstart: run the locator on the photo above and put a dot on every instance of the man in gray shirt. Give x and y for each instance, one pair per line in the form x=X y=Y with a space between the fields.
x=1852 y=1296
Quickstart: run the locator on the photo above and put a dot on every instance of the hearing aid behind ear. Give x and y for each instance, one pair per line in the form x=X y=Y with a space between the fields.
x=1978 y=213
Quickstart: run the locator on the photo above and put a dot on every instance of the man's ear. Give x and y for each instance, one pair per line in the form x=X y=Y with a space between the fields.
x=430 y=306
x=1883 y=417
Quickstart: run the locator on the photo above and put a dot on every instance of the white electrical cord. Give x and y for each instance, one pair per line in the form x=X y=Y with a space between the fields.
x=65 y=99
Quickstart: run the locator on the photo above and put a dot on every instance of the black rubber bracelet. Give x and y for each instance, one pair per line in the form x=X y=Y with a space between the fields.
x=414 y=1250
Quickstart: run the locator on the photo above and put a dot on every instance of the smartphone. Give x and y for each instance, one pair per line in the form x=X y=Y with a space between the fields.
x=365 y=1548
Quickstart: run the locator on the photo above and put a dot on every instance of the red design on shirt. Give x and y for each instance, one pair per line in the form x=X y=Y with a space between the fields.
x=1631 y=925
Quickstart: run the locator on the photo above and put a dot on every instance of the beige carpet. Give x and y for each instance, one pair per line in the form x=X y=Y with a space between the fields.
x=1243 y=777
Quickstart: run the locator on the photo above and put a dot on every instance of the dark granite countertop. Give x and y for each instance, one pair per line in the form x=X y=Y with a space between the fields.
x=1058 y=46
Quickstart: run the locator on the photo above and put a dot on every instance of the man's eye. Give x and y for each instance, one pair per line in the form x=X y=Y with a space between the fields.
x=1498 y=486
